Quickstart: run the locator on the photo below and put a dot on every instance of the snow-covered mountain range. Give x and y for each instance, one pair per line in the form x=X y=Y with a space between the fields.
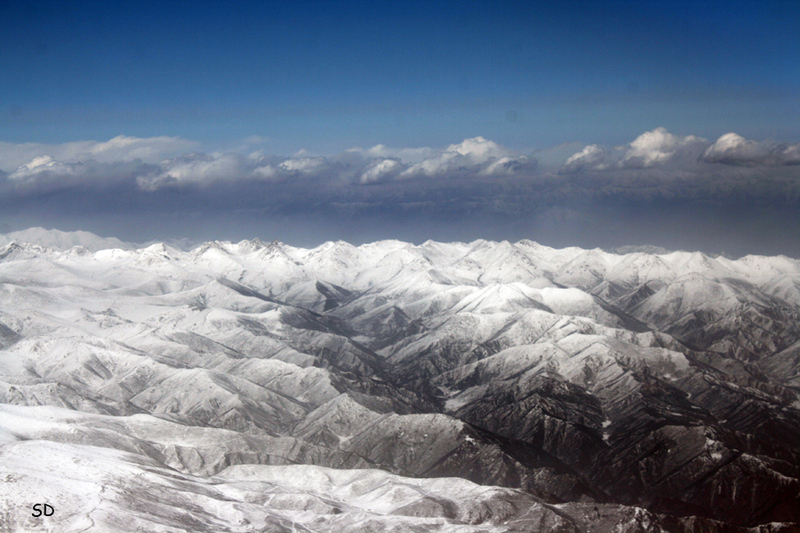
x=63 y=240
x=255 y=386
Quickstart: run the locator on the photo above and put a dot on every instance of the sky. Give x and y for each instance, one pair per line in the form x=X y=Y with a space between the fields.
x=572 y=123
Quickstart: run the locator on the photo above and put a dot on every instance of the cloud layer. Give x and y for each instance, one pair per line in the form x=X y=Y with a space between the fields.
x=151 y=164
x=659 y=148
x=80 y=163
x=652 y=188
x=650 y=149
x=120 y=148
x=733 y=149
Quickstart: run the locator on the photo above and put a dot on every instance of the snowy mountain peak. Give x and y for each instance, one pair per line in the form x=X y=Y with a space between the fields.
x=560 y=374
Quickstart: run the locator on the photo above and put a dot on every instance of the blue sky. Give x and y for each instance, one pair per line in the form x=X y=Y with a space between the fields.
x=326 y=76
x=590 y=123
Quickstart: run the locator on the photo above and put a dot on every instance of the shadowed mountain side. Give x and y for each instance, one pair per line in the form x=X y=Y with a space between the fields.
x=657 y=380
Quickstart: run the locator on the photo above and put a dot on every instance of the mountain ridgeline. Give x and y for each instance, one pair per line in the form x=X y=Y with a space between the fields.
x=581 y=390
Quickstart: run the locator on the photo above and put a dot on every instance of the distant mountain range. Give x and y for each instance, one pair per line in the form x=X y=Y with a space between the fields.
x=64 y=240
x=255 y=386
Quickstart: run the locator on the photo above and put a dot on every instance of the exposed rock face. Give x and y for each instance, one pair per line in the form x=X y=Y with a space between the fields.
x=633 y=391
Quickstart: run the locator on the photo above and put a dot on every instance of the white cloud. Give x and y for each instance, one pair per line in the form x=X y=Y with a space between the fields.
x=655 y=148
x=406 y=155
x=120 y=148
x=265 y=172
x=303 y=165
x=508 y=166
x=650 y=149
x=45 y=173
x=380 y=170
x=85 y=162
x=645 y=163
x=37 y=164
x=591 y=157
x=123 y=148
x=554 y=157
x=478 y=149
x=733 y=149
x=203 y=169
x=790 y=155
x=477 y=156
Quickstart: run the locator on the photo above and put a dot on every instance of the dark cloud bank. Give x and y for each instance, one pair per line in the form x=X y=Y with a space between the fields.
x=731 y=195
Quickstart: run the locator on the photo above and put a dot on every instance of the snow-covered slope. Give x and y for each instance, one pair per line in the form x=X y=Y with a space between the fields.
x=667 y=381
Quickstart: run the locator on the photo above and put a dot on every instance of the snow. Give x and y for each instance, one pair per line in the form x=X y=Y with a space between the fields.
x=231 y=347
x=605 y=425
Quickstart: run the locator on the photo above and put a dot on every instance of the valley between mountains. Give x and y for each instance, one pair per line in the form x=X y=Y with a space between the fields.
x=453 y=387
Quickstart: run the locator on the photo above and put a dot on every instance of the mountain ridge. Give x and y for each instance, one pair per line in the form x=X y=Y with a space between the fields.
x=668 y=382
x=63 y=240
